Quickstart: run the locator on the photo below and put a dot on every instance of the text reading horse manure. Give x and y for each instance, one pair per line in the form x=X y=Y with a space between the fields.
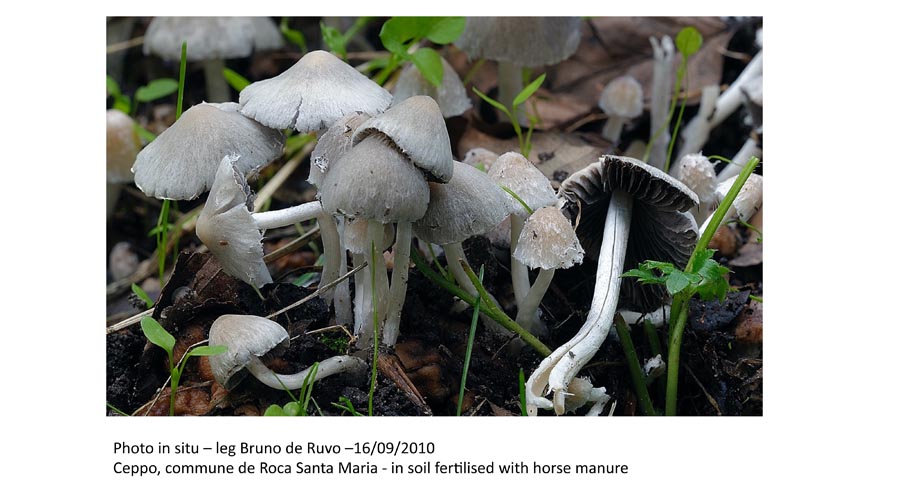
x=373 y=457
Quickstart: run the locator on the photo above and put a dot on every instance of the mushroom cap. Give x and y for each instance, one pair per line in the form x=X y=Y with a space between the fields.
x=247 y=337
x=748 y=199
x=375 y=181
x=450 y=96
x=210 y=37
x=548 y=241
x=480 y=156
x=417 y=128
x=470 y=204
x=515 y=172
x=623 y=97
x=122 y=146
x=181 y=163
x=522 y=41
x=661 y=229
x=312 y=95
x=226 y=226
x=332 y=145
x=699 y=174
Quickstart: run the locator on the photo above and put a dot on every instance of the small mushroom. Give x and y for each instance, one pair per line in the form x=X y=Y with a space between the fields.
x=516 y=173
x=547 y=242
x=122 y=147
x=622 y=99
x=517 y=42
x=250 y=340
x=746 y=203
x=211 y=40
x=469 y=205
x=699 y=174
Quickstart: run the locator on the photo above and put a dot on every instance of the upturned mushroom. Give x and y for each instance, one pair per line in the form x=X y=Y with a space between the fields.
x=250 y=341
x=211 y=40
x=312 y=95
x=622 y=100
x=699 y=174
x=628 y=197
x=547 y=242
x=181 y=163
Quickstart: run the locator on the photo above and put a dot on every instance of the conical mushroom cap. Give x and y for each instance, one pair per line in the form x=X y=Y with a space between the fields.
x=181 y=163
x=698 y=174
x=660 y=228
x=122 y=146
x=522 y=41
x=312 y=95
x=450 y=96
x=336 y=141
x=515 y=172
x=210 y=37
x=417 y=127
x=470 y=204
x=226 y=226
x=548 y=241
x=375 y=181
x=246 y=337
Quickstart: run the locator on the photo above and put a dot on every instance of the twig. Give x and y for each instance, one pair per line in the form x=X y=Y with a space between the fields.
x=121 y=46
x=295 y=244
x=709 y=398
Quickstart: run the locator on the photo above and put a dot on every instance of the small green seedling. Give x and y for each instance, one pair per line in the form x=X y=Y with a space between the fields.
x=163 y=226
x=157 y=335
x=400 y=34
x=235 y=79
x=297 y=407
x=521 y=98
x=346 y=405
x=469 y=344
x=142 y=295
x=336 y=41
x=523 y=405
x=701 y=276
x=294 y=36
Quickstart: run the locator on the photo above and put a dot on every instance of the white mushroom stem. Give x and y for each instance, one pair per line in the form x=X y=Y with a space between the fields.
x=361 y=300
x=454 y=253
x=696 y=134
x=748 y=150
x=517 y=269
x=288 y=216
x=217 y=89
x=663 y=56
x=612 y=130
x=329 y=366
x=343 y=311
x=374 y=234
x=527 y=315
x=399 y=279
x=610 y=266
x=509 y=84
x=731 y=98
x=331 y=241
